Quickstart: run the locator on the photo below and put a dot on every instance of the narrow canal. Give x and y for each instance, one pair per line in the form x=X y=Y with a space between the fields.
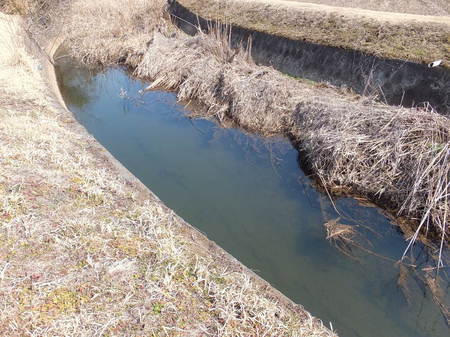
x=250 y=196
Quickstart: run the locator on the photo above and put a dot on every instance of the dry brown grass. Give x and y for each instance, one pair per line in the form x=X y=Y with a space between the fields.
x=390 y=36
x=26 y=7
x=343 y=236
x=120 y=36
x=223 y=80
x=14 y=6
x=86 y=251
x=396 y=157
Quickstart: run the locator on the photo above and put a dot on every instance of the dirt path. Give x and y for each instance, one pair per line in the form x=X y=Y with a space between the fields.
x=391 y=17
x=421 y=7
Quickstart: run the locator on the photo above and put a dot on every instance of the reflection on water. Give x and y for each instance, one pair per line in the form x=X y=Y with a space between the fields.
x=249 y=195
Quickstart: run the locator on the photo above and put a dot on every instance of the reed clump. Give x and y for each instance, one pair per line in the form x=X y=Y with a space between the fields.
x=396 y=157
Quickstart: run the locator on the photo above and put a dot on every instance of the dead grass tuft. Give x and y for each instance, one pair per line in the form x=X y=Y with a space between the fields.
x=343 y=236
x=15 y=7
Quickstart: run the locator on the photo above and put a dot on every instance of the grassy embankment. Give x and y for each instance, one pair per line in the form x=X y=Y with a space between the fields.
x=421 y=7
x=410 y=37
x=394 y=157
x=85 y=249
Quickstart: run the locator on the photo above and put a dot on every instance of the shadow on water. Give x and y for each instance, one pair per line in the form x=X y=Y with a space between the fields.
x=248 y=194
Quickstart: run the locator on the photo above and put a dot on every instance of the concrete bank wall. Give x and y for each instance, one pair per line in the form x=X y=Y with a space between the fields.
x=397 y=81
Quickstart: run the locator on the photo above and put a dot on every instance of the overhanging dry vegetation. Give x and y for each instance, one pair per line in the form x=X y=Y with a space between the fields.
x=87 y=251
x=416 y=39
x=397 y=158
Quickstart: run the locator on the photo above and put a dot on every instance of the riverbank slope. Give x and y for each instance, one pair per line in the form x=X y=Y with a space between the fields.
x=86 y=249
x=394 y=35
x=394 y=157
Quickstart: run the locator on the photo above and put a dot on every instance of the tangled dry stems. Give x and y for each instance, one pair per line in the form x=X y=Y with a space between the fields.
x=396 y=157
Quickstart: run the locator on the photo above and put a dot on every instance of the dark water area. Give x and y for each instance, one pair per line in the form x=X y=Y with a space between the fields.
x=249 y=195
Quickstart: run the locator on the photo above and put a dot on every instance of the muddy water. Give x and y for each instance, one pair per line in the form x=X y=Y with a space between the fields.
x=249 y=195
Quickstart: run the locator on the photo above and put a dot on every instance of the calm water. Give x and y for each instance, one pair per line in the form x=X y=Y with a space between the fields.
x=249 y=195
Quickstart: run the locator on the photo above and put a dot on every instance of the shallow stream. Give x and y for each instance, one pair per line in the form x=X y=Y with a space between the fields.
x=249 y=195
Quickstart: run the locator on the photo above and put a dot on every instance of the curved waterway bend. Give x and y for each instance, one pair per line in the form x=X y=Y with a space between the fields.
x=249 y=195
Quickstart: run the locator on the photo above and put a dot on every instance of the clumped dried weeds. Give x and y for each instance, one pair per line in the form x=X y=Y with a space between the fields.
x=230 y=87
x=16 y=6
x=86 y=251
x=395 y=157
x=343 y=236
x=119 y=36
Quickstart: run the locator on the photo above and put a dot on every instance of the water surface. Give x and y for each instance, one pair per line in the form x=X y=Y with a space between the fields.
x=250 y=196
